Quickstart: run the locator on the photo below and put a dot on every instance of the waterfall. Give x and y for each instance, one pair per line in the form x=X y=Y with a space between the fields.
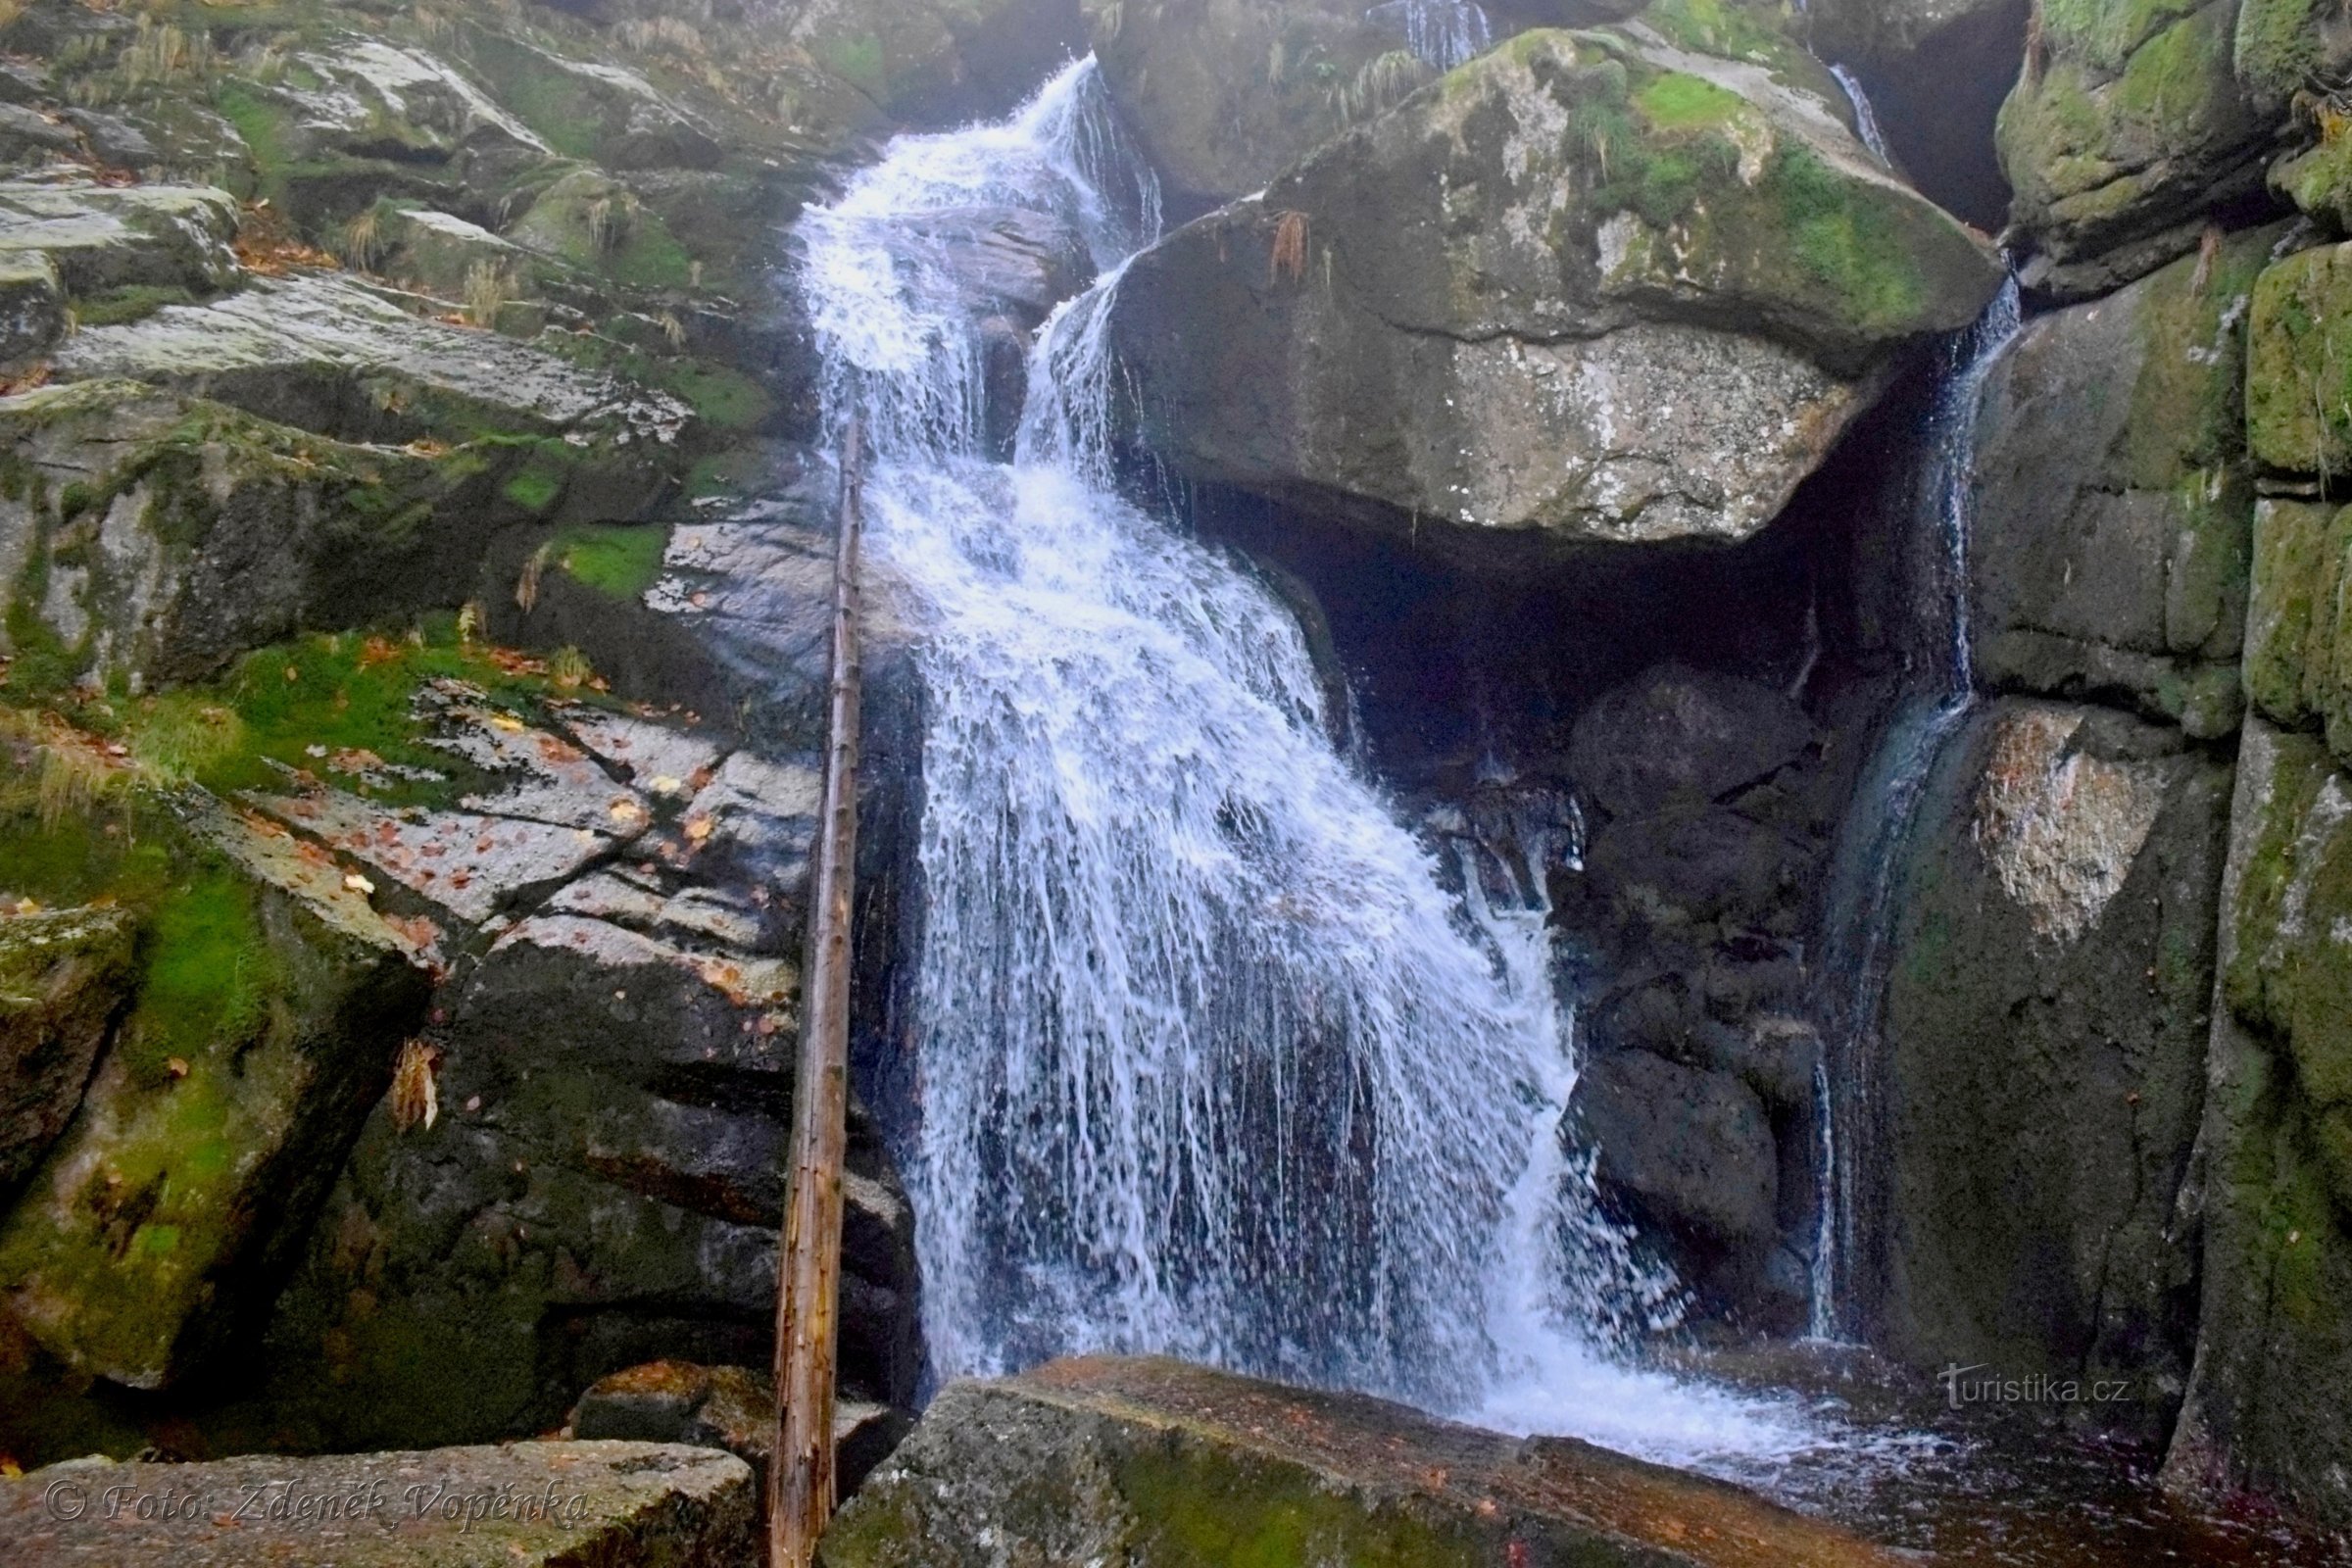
x=1866 y=118
x=1208 y=1061
x=1444 y=33
x=1863 y=882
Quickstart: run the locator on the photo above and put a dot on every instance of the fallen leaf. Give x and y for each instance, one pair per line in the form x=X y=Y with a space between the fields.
x=358 y=883
x=177 y=1067
x=415 y=1096
x=698 y=829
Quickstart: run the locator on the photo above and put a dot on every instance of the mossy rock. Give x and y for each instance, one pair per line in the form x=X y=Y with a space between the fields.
x=256 y=1042
x=2299 y=377
x=2127 y=130
x=1598 y=210
x=175 y=534
x=1173 y=1466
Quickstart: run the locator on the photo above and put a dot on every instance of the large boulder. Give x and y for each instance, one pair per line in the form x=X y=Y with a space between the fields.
x=2298 y=654
x=2274 y=1343
x=1593 y=287
x=1684 y=1149
x=2046 y=1011
x=2109 y=555
x=2128 y=129
x=154 y=537
x=1171 y=1466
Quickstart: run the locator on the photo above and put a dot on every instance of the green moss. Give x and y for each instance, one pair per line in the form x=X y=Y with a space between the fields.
x=267 y=127
x=1845 y=238
x=2278 y=46
x=208 y=976
x=859 y=62
x=1674 y=101
x=620 y=561
x=1199 y=1507
x=536 y=489
x=123 y=306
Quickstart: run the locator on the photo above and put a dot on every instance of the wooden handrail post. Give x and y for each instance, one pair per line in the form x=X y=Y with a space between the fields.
x=800 y=1473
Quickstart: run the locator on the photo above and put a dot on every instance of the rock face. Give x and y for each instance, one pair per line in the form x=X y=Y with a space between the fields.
x=2127 y=129
x=532 y=1505
x=1464 y=314
x=2046 y=1018
x=2278 y=1114
x=62 y=977
x=1171 y=1466
x=2109 y=557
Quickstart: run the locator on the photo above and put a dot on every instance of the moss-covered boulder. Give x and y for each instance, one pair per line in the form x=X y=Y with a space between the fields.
x=2050 y=981
x=1172 y=1466
x=2299 y=375
x=62 y=975
x=2127 y=132
x=1588 y=287
x=2109 y=555
x=258 y=1038
x=103 y=238
x=2274 y=1348
x=153 y=537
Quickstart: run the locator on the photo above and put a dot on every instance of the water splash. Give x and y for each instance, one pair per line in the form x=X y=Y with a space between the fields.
x=1870 y=853
x=1210 y=1062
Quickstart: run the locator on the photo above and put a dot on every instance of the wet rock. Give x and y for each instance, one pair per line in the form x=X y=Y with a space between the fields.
x=105 y=237
x=1679 y=736
x=61 y=978
x=1448 y=318
x=207 y=1138
x=1170 y=1464
x=178 y=533
x=2273 y=1344
x=469 y=867
x=529 y=1504
x=325 y=353
x=2109 y=555
x=32 y=308
x=730 y=1407
x=2052 y=966
x=2127 y=130
x=1686 y=1151
x=1698 y=865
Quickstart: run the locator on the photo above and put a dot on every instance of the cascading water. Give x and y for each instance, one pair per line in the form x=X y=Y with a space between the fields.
x=1209 y=1061
x=1444 y=33
x=1866 y=115
x=1869 y=856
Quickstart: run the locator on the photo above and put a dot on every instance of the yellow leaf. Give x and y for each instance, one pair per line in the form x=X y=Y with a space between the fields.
x=415 y=1096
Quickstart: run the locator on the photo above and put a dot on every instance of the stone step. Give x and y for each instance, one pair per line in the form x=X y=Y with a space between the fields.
x=519 y=1505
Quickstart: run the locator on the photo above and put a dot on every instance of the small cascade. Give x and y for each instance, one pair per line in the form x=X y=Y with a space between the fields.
x=1866 y=118
x=1870 y=854
x=1444 y=33
x=1211 y=1058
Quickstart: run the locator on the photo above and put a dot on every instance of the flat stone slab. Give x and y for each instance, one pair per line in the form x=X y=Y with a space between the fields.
x=520 y=1505
x=1155 y=1465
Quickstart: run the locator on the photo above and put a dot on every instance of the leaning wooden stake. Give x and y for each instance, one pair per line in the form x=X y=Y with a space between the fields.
x=800 y=1475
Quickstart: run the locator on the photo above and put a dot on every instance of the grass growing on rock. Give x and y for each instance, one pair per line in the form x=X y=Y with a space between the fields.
x=622 y=562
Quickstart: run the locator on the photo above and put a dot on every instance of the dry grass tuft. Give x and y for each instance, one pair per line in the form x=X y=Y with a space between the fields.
x=1289 y=263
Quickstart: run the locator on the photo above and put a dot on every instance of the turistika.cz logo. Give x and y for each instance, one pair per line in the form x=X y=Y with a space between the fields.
x=1964 y=1386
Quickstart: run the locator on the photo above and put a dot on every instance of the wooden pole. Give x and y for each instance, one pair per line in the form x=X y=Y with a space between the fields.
x=800 y=1474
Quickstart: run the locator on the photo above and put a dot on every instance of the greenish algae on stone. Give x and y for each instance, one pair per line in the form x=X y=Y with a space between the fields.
x=2299 y=378
x=61 y=976
x=1155 y=1465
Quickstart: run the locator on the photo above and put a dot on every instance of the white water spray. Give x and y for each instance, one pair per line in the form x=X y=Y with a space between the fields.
x=1208 y=1061
x=1444 y=33
x=1866 y=116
